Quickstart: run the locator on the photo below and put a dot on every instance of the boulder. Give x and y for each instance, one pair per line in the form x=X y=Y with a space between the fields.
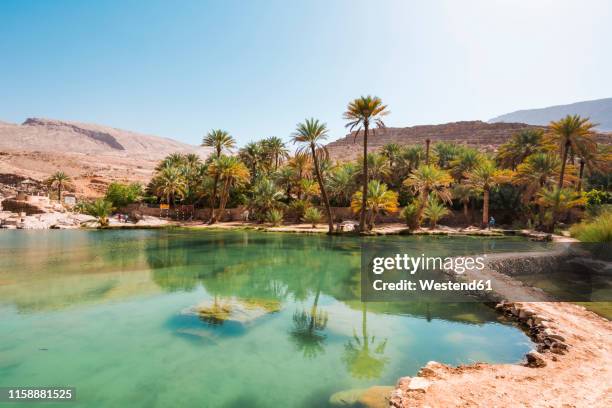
x=418 y=384
x=535 y=359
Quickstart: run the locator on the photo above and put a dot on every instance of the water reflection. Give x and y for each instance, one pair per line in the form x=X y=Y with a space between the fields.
x=364 y=356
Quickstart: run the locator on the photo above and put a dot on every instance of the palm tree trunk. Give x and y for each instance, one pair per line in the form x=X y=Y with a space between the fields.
x=427 y=144
x=59 y=192
x=212 y=219
x=330 y=219
x=579 y=186
x=465 y=210
x=364 y=193
x=563 y=161
x=223 y=200
x=485 y=208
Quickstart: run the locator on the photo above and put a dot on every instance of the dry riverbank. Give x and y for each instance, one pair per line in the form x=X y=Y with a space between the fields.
x=578 y=376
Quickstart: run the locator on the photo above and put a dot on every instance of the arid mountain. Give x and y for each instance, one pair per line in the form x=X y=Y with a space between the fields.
x=600 y=111
x=474 y=133
x=92 y=155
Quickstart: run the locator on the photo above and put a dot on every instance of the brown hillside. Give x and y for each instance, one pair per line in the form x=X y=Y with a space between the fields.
x=486 y=136
x=93 y=155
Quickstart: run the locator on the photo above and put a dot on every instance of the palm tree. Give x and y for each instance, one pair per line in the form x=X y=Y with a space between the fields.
x=464 y=161
x=427 y=179
x=378 y=167
x=231 y=172
x=341 y=183
x=101 y=209
x=276 y=148
x=445 y=153
x=170 y=184
x=311 y=133
x=253 y=155
x=380 y=200
x=301 y=164
x=59 y=179
x=537 y=171
x=391 y=151
x=463 y=193
x=219 y=140
x=519 y=147
x=434 y=211
x=361 y=114
x=266 y=197
x=576 y=134
x=172 y=160
x=559 y=201
x=482 y=179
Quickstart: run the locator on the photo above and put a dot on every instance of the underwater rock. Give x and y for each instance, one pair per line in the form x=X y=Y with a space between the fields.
x=218 y=311
x=375 y=397
x=346 y=398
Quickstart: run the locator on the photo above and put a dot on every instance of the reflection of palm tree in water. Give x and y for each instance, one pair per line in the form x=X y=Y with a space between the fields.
x=364 y=357
x=307 y=332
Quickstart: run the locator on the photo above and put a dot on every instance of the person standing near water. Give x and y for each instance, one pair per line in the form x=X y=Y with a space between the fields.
x=491 y=222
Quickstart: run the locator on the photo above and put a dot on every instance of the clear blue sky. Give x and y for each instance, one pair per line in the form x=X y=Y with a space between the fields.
x=256 y=68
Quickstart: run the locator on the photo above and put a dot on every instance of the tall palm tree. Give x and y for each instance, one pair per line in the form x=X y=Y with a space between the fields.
x=482 y=179
x=276 y=148
x=576 y=134
x=380 y=200
x=231 y=172
x=219 y=140
x=310 y=134
x=428 y=179
x=520 y=146
x=362 y=113
x=170 y=184
x=59 y=179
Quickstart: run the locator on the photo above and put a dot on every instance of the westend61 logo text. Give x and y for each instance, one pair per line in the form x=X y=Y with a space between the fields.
x=412 y=264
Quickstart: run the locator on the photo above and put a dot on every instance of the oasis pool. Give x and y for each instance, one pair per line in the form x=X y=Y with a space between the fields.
x=118 y=315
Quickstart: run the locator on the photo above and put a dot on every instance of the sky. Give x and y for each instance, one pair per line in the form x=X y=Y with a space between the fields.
x=256 y=68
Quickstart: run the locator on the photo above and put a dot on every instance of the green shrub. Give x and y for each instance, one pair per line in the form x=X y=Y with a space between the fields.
x=297 y=209
x=410 y=214
x=120 y=195
x=597 y=201
x=312 y=215
x=599 y=229
x=274 y=217
x=101 y=209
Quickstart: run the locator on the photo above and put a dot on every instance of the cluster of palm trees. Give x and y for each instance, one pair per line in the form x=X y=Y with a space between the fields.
x=546 y=166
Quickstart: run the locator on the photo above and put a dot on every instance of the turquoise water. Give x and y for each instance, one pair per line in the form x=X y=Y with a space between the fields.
x=110 y=313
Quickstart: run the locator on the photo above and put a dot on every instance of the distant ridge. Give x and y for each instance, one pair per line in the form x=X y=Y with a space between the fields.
x=475 y=133
x=599 y=110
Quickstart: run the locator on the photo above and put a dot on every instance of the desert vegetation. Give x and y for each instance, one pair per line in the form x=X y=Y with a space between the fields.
x=539 y=179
